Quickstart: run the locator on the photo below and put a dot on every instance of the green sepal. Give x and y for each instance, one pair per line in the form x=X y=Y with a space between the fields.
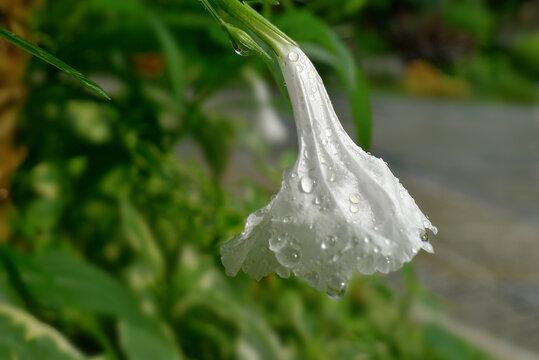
x=243 y=43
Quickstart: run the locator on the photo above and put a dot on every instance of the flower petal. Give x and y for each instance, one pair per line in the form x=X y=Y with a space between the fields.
x=338 y=209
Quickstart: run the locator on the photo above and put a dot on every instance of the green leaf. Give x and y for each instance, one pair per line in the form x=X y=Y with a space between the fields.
x=173 y=57
x=142 y=343
x=124 y=7
x=445 y=345
x=268 y=2
x=47 y=57
x=26 y=338
x=216 y=149
x=59 y=280
x=140 y=237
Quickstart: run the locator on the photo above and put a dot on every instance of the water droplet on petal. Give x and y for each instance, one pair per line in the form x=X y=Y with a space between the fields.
x=288 y=256
x=288 y=219
x=354 y=209
x=317 y=200
x=293 y=56
x=277 y=242
x=425 y=237
x=376 y=249
x=329 y=242
x=307 y=184
x=366 y=240
x=354 y=199
x=336 y=287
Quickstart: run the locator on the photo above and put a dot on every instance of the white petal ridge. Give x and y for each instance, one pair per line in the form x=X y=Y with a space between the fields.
x=338 y=208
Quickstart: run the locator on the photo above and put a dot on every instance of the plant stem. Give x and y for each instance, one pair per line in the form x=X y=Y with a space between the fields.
x=253 y=21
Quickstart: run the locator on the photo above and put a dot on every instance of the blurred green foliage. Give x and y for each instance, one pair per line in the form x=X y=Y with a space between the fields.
x=526 y=53
x=47 y=57
x=114 y=241
x=456 y=36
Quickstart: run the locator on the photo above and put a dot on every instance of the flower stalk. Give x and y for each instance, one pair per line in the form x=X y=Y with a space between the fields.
x=251 y=20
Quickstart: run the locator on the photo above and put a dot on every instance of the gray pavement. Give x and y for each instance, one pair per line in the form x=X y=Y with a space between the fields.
x=474 y=168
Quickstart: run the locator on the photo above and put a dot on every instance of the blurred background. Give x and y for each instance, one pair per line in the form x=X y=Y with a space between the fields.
x=112 y=212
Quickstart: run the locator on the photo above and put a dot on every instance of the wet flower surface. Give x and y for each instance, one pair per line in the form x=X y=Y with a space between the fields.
x=338 y=209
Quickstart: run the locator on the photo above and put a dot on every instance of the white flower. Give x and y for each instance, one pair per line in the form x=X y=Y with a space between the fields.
x=338 y=209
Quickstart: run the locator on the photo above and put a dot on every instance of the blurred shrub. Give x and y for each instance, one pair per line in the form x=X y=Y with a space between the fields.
x=456 y=34
x=526 y=53
x=495 y=76
x=471 y=16
x=335 y=14
x=424 y=79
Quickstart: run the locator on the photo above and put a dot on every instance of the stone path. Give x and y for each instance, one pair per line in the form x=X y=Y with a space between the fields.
x=474 y=168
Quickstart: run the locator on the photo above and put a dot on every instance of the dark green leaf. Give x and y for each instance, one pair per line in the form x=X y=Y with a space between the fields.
x=269 y=2
x=59 y=280
x=141 y=238
x=45 y=56
x=445 y=345
x=173 y=57
x=125 y=7
x=216 y=148
x=142 y=343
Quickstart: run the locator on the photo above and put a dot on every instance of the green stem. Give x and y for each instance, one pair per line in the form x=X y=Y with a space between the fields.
x=253 y=21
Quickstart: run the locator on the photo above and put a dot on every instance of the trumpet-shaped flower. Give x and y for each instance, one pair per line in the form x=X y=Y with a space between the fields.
x=338 y=208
